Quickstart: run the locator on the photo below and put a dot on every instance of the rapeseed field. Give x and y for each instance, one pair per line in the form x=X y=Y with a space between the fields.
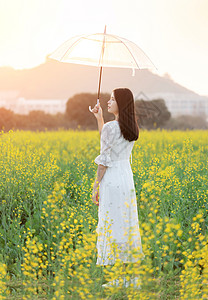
x=48 y=220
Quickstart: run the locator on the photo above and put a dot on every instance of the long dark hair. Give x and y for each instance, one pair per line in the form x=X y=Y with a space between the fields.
x=127 y=117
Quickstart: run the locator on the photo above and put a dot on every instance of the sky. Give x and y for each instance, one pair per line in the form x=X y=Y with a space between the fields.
x=173 y=33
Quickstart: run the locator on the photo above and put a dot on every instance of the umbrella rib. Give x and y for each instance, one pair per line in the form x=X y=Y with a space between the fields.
x=82 y=36
x=130 y=52
x=70 y=48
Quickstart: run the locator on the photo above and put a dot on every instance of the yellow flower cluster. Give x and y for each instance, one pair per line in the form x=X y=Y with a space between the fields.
x=4 y=277
x=194 y=277
x=33 y=266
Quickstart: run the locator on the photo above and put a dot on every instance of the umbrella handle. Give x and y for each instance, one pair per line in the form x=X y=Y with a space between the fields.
x=90 y=109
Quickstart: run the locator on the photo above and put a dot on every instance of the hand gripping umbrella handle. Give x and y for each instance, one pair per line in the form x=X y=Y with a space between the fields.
x=90 y=109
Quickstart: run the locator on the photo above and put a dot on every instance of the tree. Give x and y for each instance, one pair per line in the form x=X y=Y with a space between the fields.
x=152 y=113
x=39 y=119
x=7 y=119
x=77 y=109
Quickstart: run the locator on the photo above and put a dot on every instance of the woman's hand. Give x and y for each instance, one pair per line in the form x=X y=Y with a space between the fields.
x=95 y=195
x=97 y=111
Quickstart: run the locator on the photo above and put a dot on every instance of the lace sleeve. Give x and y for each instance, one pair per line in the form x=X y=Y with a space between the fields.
x=107 y=140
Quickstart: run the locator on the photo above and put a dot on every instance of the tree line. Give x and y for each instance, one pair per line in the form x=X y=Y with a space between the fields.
x=149 y=115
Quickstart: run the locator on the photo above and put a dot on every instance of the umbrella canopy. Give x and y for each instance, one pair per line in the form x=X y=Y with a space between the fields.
x=102 y=50
x=117 y=52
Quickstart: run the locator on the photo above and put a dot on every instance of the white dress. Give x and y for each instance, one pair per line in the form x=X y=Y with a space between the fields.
x=118 y=224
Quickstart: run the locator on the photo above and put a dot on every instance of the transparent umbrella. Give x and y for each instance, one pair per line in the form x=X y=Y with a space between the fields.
x=102 y=50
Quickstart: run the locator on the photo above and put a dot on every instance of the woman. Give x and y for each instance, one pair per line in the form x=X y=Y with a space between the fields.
x=117 y=215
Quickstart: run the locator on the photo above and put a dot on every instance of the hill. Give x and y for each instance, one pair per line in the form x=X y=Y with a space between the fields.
x=55 y=80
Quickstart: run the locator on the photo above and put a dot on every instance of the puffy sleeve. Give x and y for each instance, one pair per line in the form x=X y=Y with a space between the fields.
x=107 y=140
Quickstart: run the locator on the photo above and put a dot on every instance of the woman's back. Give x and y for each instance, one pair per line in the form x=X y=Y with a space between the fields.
x=114 y=147
x=121 y=148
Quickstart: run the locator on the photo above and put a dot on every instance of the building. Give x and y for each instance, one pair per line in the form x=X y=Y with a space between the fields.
x=8 y=98
x=50 y=106
x=11 y=100
x=180 y=104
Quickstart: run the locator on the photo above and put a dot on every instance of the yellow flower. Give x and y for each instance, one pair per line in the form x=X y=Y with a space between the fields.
x=180 y=232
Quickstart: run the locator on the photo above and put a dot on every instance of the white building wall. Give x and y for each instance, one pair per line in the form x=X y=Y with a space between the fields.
x=180 y=104
x=25 y=106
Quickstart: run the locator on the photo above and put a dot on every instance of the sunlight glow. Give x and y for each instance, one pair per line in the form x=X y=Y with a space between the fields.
x=173 y=34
